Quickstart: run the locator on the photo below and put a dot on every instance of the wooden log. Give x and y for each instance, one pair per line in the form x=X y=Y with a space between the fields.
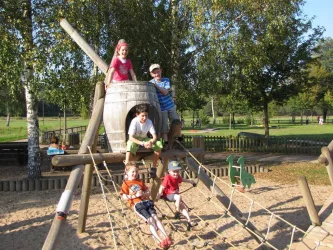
x=84 y=45
x=5 y=186
x=75 y=176
x=25 y=185
x=322 y=157
x=225 y=201
x=159 y=174
x=308 y=199
x=18 y=187
x=70 y=160
x=12 y=186
x=50 y=184
x=326 y=152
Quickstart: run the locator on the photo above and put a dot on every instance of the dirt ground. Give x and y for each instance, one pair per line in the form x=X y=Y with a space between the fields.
x=26 y=217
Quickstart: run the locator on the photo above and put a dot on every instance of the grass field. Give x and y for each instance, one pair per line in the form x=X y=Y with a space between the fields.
x=281 y=127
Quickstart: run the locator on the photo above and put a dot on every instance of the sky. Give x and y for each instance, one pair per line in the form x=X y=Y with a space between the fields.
x=322 y=10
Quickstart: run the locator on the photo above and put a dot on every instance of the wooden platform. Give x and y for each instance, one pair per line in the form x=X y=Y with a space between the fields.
x=319 y=237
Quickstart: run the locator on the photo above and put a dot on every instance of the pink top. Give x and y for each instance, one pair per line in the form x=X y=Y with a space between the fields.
x=121 y=70
x=171 y=185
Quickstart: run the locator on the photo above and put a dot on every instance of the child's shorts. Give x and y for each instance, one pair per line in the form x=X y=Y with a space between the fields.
x=172 y=115
x=133 y=147
x=171 y=197
x=145 y=209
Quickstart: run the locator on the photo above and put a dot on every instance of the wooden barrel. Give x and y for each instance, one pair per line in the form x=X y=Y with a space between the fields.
x=119 y=109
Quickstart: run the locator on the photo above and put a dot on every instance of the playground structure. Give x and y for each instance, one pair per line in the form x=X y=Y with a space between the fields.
x=83 y=163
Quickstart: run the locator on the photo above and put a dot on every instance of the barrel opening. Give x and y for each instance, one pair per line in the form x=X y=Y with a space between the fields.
x=153 y=115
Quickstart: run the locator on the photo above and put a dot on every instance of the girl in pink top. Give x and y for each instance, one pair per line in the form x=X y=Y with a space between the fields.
x=120 y=66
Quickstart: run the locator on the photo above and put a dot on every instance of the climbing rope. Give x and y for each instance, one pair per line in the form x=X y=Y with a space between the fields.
x=252 y=202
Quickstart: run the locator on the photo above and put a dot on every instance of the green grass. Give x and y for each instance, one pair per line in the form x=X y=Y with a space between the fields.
x=18 y=126
x=297 y=130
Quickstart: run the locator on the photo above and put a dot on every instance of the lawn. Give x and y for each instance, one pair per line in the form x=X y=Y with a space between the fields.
x=18 y=128
x=285 y=129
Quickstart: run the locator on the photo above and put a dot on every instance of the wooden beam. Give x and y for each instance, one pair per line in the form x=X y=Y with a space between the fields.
x=225 y=201
x=84 y=45
x=76 y=174
x=308 y=199
x=71 y=160
x=88 y=171
x=326 y=153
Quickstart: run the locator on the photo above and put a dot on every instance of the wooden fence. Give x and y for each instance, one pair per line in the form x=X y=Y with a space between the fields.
x=47 y=135
x=285 y=145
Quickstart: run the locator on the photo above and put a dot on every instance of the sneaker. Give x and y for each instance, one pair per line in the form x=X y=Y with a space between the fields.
x=177 y=215
x=169 y=241
x=163 y=244
x=61 y=215
x=152 y=173
x=193 y=223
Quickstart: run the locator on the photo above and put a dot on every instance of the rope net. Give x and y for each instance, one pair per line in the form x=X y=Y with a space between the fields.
x=217 y=228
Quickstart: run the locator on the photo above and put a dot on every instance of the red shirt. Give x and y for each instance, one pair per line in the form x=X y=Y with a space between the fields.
x=129 y=187
x=171 y=185
x=121 y=70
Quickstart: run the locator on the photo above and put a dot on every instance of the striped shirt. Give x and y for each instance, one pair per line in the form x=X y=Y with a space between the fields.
x=166 y=101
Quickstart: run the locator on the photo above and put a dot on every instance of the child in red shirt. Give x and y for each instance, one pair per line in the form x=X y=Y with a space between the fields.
x=169 y=189
x=137 y=194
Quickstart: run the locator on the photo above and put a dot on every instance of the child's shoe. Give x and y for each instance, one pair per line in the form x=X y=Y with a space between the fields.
x=177 y=215
x=152 y=172
x=163 y=244
x=169 y=241
x=61 y=215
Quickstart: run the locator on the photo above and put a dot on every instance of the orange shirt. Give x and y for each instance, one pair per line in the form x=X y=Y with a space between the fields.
x=130 y=187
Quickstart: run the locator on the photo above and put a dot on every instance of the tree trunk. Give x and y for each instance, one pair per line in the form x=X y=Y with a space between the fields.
x=8 y=116
x=324 y=114
x=34 y=160
x=266 y=120
x=214 y=120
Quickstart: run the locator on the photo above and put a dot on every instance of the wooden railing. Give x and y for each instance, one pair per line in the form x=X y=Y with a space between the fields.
x=47 y=135
x=285 y=145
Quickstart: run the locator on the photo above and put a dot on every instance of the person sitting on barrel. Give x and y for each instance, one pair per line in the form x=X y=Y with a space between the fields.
x=137 y=131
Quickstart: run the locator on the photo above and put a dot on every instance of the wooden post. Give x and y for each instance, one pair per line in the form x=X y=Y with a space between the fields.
x=76 y=174
x=309 y=203
x=159 y=174
x=225 y=201
x=88 y=172
x=326 y=153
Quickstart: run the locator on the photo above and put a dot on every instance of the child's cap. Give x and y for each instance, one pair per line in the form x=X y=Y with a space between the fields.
x=174 y=165
x=154 y=66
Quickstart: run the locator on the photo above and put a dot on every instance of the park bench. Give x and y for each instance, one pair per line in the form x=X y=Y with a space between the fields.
x=18 y=150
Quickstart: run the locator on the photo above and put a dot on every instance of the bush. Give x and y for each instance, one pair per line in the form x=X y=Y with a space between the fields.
x=225 y=120
x=240 y=121
x=204 y=119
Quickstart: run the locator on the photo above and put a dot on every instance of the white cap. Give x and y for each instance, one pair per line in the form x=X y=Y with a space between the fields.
x=154 y=66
